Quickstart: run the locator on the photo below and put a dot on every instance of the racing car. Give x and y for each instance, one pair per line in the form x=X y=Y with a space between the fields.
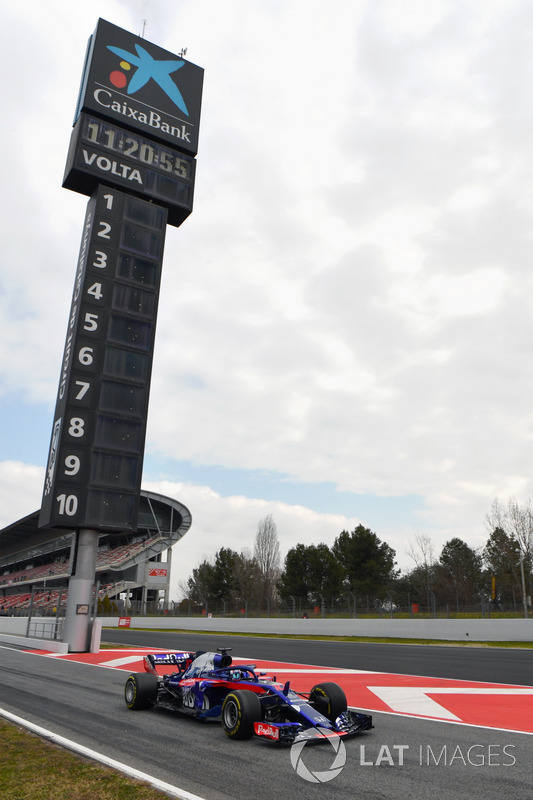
x=208 y=685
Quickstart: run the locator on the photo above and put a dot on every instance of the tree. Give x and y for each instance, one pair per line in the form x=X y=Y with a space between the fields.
x=368 y=562
x=502 y=558
x=325 y=573
x=223 y=584
x=421 y=578
x=247 y=581
x=460 y=572
x=516 y=522
x=312 y=573
x=214 y=581
x=268 y=559
x=294 y=578
x=501 y=554
x=200 y=584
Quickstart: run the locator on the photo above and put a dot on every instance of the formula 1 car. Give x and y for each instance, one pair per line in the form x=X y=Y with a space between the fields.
x=210 y=686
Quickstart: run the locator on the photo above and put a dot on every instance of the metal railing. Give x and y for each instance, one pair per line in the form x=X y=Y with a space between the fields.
x=38 y=629
x=40 y=602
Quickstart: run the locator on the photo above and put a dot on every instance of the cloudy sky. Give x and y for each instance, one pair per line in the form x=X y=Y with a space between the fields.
x=345 y=323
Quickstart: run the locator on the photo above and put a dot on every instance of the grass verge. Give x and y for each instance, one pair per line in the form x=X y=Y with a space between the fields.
x=32 y=768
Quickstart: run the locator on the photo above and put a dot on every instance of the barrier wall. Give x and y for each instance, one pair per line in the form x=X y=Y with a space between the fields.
x=480 y=630
x=13 y=629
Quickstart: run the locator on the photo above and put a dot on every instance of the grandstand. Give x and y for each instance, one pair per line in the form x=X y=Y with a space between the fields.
x=35 y=565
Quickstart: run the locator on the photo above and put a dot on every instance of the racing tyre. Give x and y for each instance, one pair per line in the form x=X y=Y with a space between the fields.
x=329 y=699
x=140 y=691
x=240 y=710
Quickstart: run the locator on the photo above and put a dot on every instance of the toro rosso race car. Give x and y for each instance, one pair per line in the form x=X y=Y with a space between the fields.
x=211 y=686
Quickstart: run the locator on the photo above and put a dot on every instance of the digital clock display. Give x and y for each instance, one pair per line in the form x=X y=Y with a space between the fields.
x=103 y=153
x=148 y=153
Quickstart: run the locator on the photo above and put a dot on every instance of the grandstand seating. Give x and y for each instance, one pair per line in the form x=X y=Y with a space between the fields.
x=107 y=558
x=35 y=573
x=50 y=599
x=15 y=601
x=44 y=564
x=110 y=558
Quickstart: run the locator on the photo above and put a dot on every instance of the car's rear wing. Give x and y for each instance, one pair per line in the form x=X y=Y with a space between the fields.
x=179 y=660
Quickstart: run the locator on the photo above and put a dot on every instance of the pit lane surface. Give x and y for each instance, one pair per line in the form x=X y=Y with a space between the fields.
x=402 y=756
x=469 y=702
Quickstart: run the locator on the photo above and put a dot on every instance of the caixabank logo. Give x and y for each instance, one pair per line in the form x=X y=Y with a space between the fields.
x=141 y=86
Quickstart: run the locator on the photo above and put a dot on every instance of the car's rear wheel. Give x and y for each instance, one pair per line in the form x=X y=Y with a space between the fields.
x=329 y=699
x=140 y=691
x=240 y=710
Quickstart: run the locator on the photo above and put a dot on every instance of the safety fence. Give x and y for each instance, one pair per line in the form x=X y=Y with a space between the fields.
x=48 y=604
x=354 y=608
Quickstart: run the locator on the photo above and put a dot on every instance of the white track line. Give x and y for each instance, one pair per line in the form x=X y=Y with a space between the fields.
x=120 y=662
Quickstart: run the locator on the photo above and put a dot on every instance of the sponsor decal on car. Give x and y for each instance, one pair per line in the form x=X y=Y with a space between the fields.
x=270 y=731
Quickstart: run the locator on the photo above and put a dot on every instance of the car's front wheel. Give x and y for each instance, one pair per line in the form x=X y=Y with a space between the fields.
x=140 y=691
x=329 y=699
x=240 y=710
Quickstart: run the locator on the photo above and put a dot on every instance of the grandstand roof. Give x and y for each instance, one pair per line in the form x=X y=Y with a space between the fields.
x=25 y=529
x=157 y=513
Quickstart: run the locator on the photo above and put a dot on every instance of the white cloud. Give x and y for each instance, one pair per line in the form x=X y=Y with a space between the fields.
x=21 y=486
x=350 y=300
x=217 y=521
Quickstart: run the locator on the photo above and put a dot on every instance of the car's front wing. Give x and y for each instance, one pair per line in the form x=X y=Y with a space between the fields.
x=349 y=723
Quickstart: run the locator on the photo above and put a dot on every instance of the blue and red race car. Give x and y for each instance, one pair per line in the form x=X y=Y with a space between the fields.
x=247 y=702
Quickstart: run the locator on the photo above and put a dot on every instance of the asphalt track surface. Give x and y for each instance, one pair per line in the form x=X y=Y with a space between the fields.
x=85 y=703
x=489 y=664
